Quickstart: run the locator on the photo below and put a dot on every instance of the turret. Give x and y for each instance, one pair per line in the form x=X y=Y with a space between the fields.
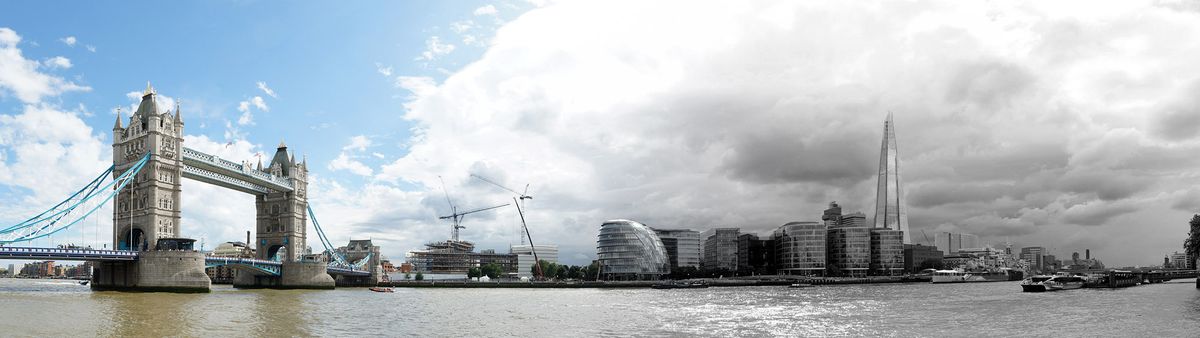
x=117 y=125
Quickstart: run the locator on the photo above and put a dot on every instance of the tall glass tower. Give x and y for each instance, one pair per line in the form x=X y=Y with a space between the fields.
x=890 y=211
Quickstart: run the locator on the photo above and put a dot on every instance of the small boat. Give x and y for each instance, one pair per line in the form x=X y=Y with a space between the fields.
x=379 y=289
x=680 y=285
x=83 y=282
x=800 y=285
x=1051 y=283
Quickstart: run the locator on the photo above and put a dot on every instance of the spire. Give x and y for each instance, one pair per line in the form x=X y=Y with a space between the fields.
x=282 y=145
x=890 y=209
x=178 y=112
x=149 y=90
x=118 y=124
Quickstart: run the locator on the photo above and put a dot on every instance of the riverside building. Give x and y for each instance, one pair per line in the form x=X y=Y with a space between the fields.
x=524 y=252
x=683 y=246
x=628 y=250
x=720 y=249
x=800 y=248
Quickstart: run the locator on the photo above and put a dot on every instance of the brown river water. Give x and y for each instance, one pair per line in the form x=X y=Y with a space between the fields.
x=59 y=308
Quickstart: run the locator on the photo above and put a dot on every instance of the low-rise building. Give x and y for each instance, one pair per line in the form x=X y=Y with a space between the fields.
x=525 y=256
x=755 y=256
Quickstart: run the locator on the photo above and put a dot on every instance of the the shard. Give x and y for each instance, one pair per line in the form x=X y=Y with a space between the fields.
x=890 y=211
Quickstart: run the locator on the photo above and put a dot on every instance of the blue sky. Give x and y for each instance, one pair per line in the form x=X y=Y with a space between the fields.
x=1065 y=125
x=319 y=58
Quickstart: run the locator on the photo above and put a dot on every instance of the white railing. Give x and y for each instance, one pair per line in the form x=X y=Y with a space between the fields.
x=233 y=167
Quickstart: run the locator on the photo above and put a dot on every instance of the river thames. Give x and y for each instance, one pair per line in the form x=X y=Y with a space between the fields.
x=63 y=308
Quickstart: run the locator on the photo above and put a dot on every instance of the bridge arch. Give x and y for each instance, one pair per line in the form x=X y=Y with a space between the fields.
x=133 y=240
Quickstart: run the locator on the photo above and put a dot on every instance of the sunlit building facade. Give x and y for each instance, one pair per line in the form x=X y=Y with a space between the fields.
x=628 y=250
x=800 y=248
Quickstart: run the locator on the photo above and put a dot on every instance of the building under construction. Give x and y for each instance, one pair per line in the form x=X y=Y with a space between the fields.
x=456 y=257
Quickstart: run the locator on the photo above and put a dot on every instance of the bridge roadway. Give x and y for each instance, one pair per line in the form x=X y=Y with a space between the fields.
x=75 y=254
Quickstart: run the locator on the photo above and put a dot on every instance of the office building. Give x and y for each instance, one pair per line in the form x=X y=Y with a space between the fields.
x=855 y=219
x=525 y=253
x=848 y=250
x=833 y=215
x=919 y=257
x=890 y=211
x=755 y=256
x=800 y=248
x=1178 y=260
x=629 y=250
x=951 y=243
x=1035 y=257
x=887 y=251
x=720 y=249
x=683 y=246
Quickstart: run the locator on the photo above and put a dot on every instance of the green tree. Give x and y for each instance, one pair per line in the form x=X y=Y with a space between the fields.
x=407 y=275
x=492 y=270
x=474 y=273
x=420 y=276
x=563 y=272
x=1191 y=246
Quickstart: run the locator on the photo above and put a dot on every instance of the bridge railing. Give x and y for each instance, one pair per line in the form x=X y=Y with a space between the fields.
x=236 y=167
x=64 y=251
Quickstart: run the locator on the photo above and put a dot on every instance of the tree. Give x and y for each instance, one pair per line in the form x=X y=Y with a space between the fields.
x=407 y=275
x=474 y=273
x=590 y=272
x=420 y=276
x=1191 y=246
x=492 y=270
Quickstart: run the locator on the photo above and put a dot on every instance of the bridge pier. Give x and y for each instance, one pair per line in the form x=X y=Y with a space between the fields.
x=161 y=271
x=292 y=275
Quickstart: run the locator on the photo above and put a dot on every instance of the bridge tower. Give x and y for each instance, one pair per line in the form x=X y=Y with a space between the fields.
x=282 y=217
x=148 y=208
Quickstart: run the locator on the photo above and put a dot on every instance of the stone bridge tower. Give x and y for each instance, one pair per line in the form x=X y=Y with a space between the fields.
x=283 y=215
x=148 y=208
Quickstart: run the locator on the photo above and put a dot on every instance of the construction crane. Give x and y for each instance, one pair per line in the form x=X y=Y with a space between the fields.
x=521 y=195
x=455 y=216
x=927 y=241
x=519 y=200
x=458 y=216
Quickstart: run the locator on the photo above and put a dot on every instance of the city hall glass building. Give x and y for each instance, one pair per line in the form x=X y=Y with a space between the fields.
x=629 y=250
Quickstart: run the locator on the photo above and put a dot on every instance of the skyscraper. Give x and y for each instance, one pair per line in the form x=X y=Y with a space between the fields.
x=890 y=211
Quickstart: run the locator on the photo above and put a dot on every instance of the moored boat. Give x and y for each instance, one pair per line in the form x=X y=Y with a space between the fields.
x=680 y=285
x=379 y=289
x=960 y=276
x=1051 y=283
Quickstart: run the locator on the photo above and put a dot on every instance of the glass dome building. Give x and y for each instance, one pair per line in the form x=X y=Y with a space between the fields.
x=629 y=250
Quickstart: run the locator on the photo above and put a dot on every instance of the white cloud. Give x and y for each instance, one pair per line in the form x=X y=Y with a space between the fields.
x=247 y=117
x=90 y=48
x=461 y=26
x=418 y=85
x=57 y=62
x=435 y=48
x=263 y=87
x=20 y=76
x=385 y=71
x=610 y=113
x=70 y=41
x=358 y=143
x=485 y=10
x=344 y=162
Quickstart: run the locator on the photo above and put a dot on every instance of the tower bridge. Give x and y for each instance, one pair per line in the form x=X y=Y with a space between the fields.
x=149 y=161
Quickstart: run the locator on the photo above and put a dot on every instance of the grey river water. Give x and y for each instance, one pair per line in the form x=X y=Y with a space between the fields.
x=42 y=308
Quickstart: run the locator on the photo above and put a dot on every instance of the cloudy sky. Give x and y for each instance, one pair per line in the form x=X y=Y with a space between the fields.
x=1071 y=125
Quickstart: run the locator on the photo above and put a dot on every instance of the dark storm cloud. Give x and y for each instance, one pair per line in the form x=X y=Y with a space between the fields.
x=937 y=193
x=840 y=158
x=990 y=83
x=1105 y=184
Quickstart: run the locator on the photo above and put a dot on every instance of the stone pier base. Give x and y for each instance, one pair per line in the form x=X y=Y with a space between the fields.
x=357 y=281
x=162 y=271
x=293 y=275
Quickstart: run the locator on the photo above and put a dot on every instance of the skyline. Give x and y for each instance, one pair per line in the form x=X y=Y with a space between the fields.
x=1060 y=126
